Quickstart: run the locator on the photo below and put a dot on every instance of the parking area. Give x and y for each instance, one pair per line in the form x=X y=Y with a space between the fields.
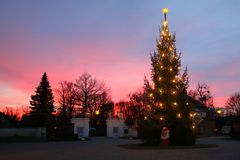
x=103 y=148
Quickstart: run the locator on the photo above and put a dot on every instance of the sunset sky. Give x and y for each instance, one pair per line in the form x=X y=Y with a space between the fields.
x=112 y=40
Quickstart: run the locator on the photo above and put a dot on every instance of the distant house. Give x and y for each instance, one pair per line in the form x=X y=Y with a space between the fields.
x=204 y=117
x=197 y=107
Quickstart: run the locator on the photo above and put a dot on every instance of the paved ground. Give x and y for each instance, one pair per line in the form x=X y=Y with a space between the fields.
x=106 y=148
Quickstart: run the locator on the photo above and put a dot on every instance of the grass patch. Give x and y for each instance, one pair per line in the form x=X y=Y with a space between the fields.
x=144 y=147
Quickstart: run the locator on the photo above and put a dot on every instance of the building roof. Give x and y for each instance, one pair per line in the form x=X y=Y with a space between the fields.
x=197 y=105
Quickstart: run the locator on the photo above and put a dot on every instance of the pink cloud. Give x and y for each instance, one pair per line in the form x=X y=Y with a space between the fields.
x=23 y=65
x=223 y=79
x=14 y=101
x=24 y=59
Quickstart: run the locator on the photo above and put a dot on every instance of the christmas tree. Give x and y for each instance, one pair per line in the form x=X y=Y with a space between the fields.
x=167 y=94
x=42 y=107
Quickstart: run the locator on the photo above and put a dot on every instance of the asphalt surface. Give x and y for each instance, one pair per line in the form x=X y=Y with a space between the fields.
x=103 y=148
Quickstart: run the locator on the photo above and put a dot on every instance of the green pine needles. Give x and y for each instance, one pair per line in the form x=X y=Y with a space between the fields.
x=42 y=108
x=167 y=95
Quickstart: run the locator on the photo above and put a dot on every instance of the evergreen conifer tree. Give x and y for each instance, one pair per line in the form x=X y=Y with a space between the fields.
x=167 y=96
x=42 y=107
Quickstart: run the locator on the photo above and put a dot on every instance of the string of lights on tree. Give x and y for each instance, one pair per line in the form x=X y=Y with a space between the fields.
x=165 y=94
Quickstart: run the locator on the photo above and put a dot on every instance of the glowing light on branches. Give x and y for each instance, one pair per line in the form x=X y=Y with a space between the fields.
x=161 y=118
x=191 y=115
x=179 y=115
x=165 y=23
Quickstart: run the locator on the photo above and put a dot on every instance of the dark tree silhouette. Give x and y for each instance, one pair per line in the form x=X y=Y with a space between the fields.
x=9 y=117
x=42 y=106
x=135 y=109
x=233 y=104
x=66 y=100
x=98 y=120
x=204 y=94
x=89 y=93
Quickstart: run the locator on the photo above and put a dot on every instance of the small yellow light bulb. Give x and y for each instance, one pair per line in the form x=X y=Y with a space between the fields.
x=219 y=111
x=179 y=115
x=191 y=115
x=97 y=112
x=165 y=10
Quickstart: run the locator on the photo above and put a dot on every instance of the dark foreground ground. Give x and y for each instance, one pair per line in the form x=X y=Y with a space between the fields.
x=102 y=148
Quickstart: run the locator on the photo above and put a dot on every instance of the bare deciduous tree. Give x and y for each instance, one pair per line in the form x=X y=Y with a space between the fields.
x=12 y=117
x=136 y=108
x=203 y=94
x=89 y=92
x=13 y=113
x=25 y=110
x=193 y=94
x=66 y=99
x=233 y=104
